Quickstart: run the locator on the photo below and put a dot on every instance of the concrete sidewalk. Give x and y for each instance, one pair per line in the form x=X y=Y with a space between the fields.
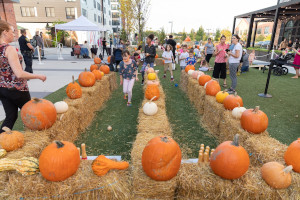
x=59 y=73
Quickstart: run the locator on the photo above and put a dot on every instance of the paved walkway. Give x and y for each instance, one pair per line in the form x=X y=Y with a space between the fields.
x=58 y=72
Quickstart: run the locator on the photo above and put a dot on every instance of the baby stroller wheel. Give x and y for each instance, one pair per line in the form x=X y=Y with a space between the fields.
x=277 y=71
x=285 y=70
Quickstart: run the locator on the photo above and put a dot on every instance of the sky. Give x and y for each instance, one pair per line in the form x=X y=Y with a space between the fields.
x=188 y=14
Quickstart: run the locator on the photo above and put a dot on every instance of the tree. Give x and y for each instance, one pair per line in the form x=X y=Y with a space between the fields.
x=268 y=38
x=123 y=35
x=218 y=35
x=61 y=35
x=192 y=34
x=227 y=34
x=260 y=38
x=162 y=36
x=140 y=10
x=183 y=36
x=200 y=34
x=127 y=16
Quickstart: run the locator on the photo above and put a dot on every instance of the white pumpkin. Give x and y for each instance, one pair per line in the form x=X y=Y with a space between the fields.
x=198 y=77
x=237 y=112
x=61 y=107
x=190 y=72
x=150 y=108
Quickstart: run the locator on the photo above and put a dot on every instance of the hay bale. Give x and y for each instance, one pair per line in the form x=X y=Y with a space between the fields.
x=82 y=185
x=199 y=182
x=265 y=149
x=196 y=94
x=113 y=81
x=146 y=188
x=159 y=62
x=213 y=112
x=184 y=81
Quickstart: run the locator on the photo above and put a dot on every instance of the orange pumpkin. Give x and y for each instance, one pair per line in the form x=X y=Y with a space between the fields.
x=232 y=101
x=187 y=39
x=86 y=79
x=59 y=161
x=161 y=158
x=105 y=69
x=204 y=79
x=108 y=59
x=189 y=67
x=73 y=90
x=101 y=165
x=38 y=114
x=98 y=74
x=152 y=91
x=97 y=60
x=292 y=155
x=156 y=56
x=93 y=67
x=212 y=88
x=177 y=46
x=11 y=140
x=163 y=61
x=254 y=120
x=230 y=160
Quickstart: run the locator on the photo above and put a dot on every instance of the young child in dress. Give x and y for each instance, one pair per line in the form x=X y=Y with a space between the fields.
x=191 y=60
x=252 y=57
x=169 y=59
x=128 y=74
x=203 y=66
x=183 y=56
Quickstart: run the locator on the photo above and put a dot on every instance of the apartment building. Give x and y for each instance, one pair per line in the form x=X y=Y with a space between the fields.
x=116 y=17
x=7 y=12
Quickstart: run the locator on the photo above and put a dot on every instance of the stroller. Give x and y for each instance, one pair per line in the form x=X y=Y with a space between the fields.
x=281 y=60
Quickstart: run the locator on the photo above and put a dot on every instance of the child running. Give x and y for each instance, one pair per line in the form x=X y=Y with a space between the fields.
x=150 y=53
x=168 y=58
x=128 y=74
x=183 y=56
x=191 y=60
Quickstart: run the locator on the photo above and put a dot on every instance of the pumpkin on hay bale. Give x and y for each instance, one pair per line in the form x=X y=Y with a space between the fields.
x=254 y=120
x=98 y=74
x=73 y=90
x=232 y=101
x=105 y=69
x=97 y=60
x=93 y=67
x=84 y=184
x=189 y=67
x=11 y=140
x=152 y=91
x=86 y=79
x=212 y=88
x=292 y=155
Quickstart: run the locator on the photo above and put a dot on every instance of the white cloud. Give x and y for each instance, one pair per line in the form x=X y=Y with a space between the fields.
x=211 y=14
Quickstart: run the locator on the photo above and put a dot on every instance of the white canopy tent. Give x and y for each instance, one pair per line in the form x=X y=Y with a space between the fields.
x=80 y=24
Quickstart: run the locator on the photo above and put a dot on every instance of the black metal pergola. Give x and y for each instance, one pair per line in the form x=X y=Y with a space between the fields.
x=282 y=11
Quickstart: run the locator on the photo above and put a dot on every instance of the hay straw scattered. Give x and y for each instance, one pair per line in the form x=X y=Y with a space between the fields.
x=114 y=185
x=213 y=112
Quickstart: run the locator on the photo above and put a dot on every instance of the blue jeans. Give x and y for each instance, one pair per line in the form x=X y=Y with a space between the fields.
x=245 y=68
x=143 y=69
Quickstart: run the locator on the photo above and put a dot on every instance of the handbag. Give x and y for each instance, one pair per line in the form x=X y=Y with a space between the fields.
x=173 y=66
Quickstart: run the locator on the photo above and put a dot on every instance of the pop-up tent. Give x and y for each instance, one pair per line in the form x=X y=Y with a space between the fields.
x=80 y=24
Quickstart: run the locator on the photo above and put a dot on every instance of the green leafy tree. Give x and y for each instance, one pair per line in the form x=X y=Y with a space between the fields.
x=200 y=34
x=218 y=35
x=268 y=38
x=192 y=34
x=61 y=35
x=227 y=34
x=162 y=36
x=123 y=35
x=260 y=38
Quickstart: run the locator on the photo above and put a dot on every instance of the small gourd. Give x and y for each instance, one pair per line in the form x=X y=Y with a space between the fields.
x=150 y=108
x=25 y=166
x=276 y=175
x=151 y=76
x=190 y=72
x=221 y=96
x=61 y=107
x=101 y=165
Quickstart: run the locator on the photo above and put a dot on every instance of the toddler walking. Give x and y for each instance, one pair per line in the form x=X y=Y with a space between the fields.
x=168 y=58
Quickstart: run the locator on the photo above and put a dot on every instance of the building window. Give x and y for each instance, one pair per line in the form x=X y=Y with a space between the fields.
x=266 y=31
x=109 y=13
x=99 y=19
x=95 y=17
x=104 y=21
x=115 y=15
x=259 y=31
x=114 y=7
x=104 y=10
x=50 y=12
x=94 y=3
x=115 y=22
x=28 y=11
x=70 y=13
x=98 y=6
x=84 y=13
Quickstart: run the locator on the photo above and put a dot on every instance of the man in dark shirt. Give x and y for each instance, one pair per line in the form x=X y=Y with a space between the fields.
x=150 y=53
x=26 y=50
x=172 y=43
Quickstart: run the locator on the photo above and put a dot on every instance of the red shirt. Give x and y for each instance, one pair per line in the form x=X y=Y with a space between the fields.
x=8 y=78
x=220 y=58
